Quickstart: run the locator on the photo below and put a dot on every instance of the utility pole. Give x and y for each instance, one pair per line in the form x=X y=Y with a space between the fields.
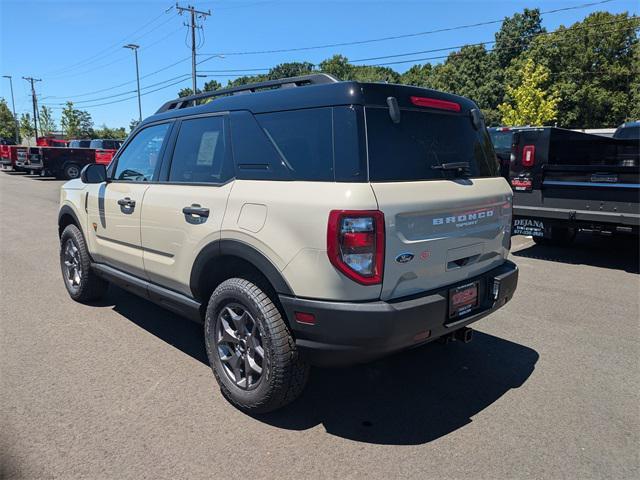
x=195 y=14
x=13 y=106
x=135 y=47
x=34 y=99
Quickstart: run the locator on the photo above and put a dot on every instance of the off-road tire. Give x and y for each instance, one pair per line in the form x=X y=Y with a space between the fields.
x=91 y=287
x=284 y=373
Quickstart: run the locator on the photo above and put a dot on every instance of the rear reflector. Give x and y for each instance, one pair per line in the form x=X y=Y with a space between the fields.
x=355 y=244
x=435 y=103
x=306 y=318
x=528 y=155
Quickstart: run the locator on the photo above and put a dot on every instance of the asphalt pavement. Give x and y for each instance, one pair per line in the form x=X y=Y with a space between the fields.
x=549 y=387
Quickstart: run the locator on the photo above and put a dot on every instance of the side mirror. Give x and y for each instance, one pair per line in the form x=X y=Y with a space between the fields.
x=93 y=173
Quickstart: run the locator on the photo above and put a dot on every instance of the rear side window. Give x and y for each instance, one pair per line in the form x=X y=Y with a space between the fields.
x=408 y=150
x=200 y=153
x=304 y=140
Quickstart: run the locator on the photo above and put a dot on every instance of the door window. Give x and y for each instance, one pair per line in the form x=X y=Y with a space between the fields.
x=200 y=155
x=138 y=161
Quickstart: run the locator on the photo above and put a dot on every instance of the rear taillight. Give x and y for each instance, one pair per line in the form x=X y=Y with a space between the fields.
x=355 y=244
x=528 y=155
x=435 y=103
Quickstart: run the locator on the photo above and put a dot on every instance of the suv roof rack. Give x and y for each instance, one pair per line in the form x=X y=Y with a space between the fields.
x=315 y=79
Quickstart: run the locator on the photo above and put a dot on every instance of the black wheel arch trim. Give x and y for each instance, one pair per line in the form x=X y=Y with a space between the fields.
x=237 y=248
x=67 y=210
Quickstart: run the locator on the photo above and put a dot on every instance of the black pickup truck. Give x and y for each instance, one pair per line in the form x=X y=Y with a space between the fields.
x=565 y=181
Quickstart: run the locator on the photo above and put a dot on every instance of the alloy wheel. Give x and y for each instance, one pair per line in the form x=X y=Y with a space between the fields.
x=72 y=264
x=239 y=346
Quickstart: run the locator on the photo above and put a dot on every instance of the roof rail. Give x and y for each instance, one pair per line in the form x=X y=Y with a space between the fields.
x=192 y=100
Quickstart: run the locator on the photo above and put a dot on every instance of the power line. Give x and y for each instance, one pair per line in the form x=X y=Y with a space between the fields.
x=553 y=32
x=86 y=94
x=407 y=35
x=99 y=54
x=34 y=100
x=194 y=14
x=130 y=98
x=249 y=71
x=112 y=62
x=128 y=92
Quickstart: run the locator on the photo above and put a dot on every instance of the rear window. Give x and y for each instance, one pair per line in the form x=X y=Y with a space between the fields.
x=501 y=139
x=408 y=150
x=627 y=133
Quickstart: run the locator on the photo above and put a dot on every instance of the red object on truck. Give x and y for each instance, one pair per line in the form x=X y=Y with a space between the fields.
x=105 y=149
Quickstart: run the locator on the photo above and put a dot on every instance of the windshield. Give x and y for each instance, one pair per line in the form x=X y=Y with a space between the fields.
x=501 y=139
x=408 y=150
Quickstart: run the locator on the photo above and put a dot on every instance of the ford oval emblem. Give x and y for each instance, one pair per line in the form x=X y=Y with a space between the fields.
x=404 y=257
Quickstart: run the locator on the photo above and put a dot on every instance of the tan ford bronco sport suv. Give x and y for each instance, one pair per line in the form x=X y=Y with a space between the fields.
x=305 y=221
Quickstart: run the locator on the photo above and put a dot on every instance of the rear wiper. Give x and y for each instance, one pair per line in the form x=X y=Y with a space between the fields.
x=458 y=167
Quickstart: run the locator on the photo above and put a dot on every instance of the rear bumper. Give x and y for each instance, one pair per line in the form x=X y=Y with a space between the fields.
x=348 y=333
x=577 y=216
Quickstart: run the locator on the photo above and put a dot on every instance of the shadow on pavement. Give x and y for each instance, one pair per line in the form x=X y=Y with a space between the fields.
x=411 y=398
x=617 y=252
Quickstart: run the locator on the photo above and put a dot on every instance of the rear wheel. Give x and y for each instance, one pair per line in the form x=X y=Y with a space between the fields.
x=250 y=349
x=71 y=171
x=82 y=283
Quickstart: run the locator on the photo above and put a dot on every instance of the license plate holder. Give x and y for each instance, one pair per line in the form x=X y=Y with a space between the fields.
x=463 y=299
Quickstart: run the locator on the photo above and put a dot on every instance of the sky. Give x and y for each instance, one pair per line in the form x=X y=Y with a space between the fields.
x=76 y=47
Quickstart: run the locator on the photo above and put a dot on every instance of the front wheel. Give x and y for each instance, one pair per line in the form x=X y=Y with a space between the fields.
x=251 y=350
x=82 y=283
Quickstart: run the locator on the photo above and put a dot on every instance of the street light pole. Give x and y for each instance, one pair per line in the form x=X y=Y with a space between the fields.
x=135 y=47
x=13 y=106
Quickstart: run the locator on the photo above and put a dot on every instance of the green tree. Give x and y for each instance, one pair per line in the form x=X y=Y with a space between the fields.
x=47 y=123
x=471 y=72
x=85 y=124
x=529 y=104
x=133 y=124
x=7 y=121
x=290 y=69
x=26 y=127
x=593 y=68
x=69 y=121
x=634 y=114
x=516 y=34
x=338 y=66
x=106 y=132
x=418 y=75
x=209 y=86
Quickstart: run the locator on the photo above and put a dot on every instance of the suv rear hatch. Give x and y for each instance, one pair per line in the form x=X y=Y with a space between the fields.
x=445 y=221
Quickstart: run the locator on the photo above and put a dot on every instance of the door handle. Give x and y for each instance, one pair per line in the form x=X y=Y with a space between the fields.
x=196 y=209
x=127 y=202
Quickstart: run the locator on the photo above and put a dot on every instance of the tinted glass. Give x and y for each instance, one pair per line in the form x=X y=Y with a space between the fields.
x=138 y=161
x=349 y=147
x=628 y=133
x=80 y=143
x=200 y=153
x=106 y=144
x=501 y=140
x=304 y=140
x=408 y=150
